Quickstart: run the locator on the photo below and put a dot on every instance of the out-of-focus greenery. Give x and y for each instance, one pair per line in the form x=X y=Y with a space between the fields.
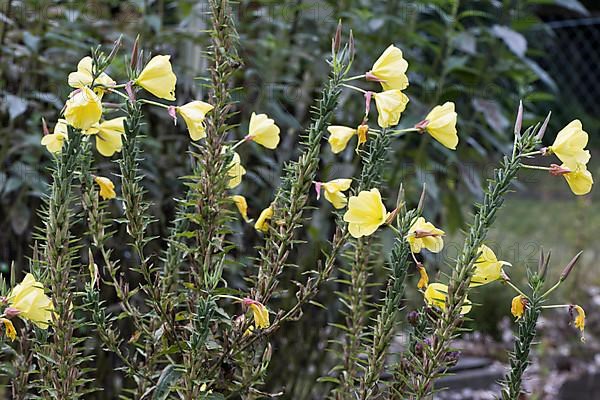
x=473 y=53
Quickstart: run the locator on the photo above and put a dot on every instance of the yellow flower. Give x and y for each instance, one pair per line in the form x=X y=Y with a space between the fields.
x=390 y=105
x=242 y=206
x=579 y=179
x=487 y=267
x=84 y=77
x=29 y=300
x=390 y=70
x=423 y=234
x=263 y=131
x=423 y=277
x=362 y=131
x=436 y=295
x=262 y=223
x=11 y=332
x=83 y=108
x=339 y=137
x=107 y=188
x=158 y=78
x=259 y=312
x=235 y=171
x=580 y=319
x=365 y=213
x=333 y=191
x=441 y=124
x=193 y=114
x=517 y=307
x=108 y=135
x=570 y=143
x=54 y=141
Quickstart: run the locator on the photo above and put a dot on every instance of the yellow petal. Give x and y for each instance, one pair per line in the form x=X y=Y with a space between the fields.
x=390 y=105
x=487 y=267
x=579 y=179
x=194 y=114
x=109 y=136
x=517 y=307
x=235 y=171
x=107 y=188
x=339 y=136
x=365 y=213
x=390 y=69
x=441 y=124
x=263 y=131
x=84 y=77
x=29 y=299
x=242 y=205
x=158 y=78
x=262 y=223
x=423 y=277
x=83 y=109
x=580 y=319
x=54 y=142
x=423 y=234
x=436 y=295
x=570 y=143
x=260 y=314
x=9 y=329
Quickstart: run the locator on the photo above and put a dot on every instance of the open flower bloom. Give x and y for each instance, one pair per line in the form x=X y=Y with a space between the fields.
x=423 y=277
x=569 y=145
x=390 y=105
x=158 y=78
x=29 y=300
x=390 y=70
x=108 y=135
x=83 y=108
x=441 y=124
x=193 y=114
x=259 y=312
x=262 y=223
x=487 y=267
x=334 y=191
x=365 y=213
x=9 y=329
x=436 y=295
x=84 y=77
x=242 y=205
x=579 y=320
x=107 y=188
x=517 y=306
x=235 y=171
x=339 y=136
x=578 y=178
x=263 y=131
x=55 y=140
x=423 y=234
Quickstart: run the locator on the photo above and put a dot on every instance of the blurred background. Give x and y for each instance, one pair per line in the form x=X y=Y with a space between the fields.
x=482 y=55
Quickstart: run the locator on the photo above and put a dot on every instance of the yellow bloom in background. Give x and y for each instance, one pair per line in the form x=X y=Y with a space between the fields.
x=55 y=140
x=235 y=171
x=390 y=70
x=9 y=329
x=390 y=105
x=29 y=300
x=580 y=319
x=242 y=206
x=579 y=179
x=423 y=234
x=108 y=135
x=83 y=108
x=436 y=295
x=158 y=78
x=487 y=267
x=441 y=124
x=262 y=223
x=423 y=277
x=194 y=114
x=570 y=143
x=84 y=77
x=365 y=213
x=107 y=188
x=259 y=312
x=517 y=306
x=334 y=189
x=339 y=136
x=263 y=131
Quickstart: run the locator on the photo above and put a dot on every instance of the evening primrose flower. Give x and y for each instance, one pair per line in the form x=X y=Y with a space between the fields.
x=235 y=171
x=84 y=77
x=55 y=140
x=259 y=312
x=9 y=328
x=108 y=135
x=242 y=206
x=487 y=267
x=578 y=178
x=362 y=131
x=107 y=188
x=390 y=70
x=570 y=143
x=262 y=223
x=339 y=136
x=423 y=277
x=334 y=191
x=365 y=213
x=83 y=108
x=423 y=234
x=158 y=78
x=436 y=295
x=517 y=306
x=193 y=114
x=28 y=301
x=390 y=105
x=579 y=320
x=263 y=131
x=440 y=123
